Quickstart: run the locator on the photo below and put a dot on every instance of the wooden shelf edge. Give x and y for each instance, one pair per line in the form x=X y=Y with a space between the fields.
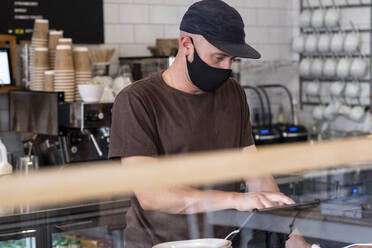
x=5 y=89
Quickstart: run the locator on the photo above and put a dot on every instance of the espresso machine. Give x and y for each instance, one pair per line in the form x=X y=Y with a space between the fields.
x=66 y=132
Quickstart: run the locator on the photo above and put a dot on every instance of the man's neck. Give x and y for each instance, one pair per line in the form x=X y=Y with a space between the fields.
x=176 y=77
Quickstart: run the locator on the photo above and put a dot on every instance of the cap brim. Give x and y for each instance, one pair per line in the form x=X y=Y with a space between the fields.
x=237 y=50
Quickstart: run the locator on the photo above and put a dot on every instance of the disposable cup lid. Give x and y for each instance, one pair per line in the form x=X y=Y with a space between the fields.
x=63 y=47
x=56 y=32
x=65 y=40
x=81 y=49
x=42 y=20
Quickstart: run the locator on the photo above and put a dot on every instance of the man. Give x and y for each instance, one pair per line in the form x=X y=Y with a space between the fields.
x=193 y=106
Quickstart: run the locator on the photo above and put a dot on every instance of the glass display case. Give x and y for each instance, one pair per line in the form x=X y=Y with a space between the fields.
x=333 y=207
x=89 y=224
x=19 y=243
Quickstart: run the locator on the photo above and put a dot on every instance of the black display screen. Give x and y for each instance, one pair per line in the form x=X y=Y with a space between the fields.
x=81 y=20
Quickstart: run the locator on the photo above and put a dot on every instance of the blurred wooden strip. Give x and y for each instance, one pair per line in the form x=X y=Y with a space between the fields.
x=110 y=178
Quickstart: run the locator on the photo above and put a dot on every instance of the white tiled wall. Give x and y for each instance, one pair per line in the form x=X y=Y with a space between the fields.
x=132 y=25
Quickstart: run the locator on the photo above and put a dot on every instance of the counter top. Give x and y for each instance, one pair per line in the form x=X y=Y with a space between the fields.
x=310 y=222
x=24 y=217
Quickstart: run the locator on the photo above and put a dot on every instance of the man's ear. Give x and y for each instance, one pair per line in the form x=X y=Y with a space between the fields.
x=187 y=45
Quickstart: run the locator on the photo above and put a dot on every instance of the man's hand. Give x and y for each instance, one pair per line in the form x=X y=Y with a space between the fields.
x=296 y=241
x=251 y=200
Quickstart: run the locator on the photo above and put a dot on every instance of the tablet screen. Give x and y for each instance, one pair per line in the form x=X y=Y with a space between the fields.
x=5 y=73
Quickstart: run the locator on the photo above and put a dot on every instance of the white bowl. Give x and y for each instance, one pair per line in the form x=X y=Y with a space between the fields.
x=324 y=42
x=356 y=113
x=337 y=43
x=332 y=17
x=298 y=44
x=196 y=243
x=318 y=112
x=330 y=68
x=337 y=88
x=313 y=89
x=317 y=68
x=352 y=90
x=359 y=68
x=305 y=18
x=351 y=43
x=311 y=44
x=91 y=92
x=317 y=18
x=305 y=67
x=343 y=68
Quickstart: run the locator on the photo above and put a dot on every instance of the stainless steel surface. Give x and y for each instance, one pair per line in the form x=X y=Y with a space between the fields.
x=142 y=67
x=67 y=132
x=96 y=145
x=85 y=115
x=34 y=112
x=86 y=130
x=27 y=164
x=11 y=234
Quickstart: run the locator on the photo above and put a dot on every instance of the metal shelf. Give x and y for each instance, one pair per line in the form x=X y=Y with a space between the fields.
x=338 y=55
x=333 y=30
x=311 y=79
x=344 y=6
x=306 y=31
x=317 y=103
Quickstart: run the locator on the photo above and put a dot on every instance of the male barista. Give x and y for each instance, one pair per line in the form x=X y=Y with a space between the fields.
x=193 y=106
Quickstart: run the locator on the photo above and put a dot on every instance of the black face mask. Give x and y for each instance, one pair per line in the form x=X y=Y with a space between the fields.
x=205 y=77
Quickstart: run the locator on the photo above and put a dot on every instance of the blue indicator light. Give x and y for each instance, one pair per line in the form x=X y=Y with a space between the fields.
x=355 y=191
x=293 y=129
x=265 y=131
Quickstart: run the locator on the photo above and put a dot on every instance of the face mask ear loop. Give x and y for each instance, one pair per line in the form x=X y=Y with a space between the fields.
x=192 y=42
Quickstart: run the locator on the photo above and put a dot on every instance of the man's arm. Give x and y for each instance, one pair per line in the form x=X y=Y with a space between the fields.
x=188 y=200
x=268 y=183
x=263 y=183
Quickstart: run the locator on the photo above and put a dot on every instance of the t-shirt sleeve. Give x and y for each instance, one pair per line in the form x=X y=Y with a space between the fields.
x=133 y=130
x=247 y=138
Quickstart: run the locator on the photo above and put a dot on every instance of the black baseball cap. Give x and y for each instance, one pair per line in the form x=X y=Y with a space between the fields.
x=221 y=25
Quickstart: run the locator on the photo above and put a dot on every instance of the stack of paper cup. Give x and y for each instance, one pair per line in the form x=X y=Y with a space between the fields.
x=40 y=33
x=40 y=65
x=82 y=68
x=39 y=39
x=64 y=75
x=65 y=41
x=54 y=36
x=49 y=81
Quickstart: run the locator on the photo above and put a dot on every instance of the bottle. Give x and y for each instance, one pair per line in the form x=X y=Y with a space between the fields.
x=5 y=167
x=281 y=114
x=295 y=113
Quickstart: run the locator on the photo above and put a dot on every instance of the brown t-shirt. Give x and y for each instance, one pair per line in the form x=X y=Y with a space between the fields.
x=151 y=118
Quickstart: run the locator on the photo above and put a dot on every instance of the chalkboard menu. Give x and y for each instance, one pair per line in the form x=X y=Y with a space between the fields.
x=81 y=20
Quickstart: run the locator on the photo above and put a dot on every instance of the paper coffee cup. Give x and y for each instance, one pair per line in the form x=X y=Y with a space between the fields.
x=81 y=59
x=41 y=57
x=64 y=60
x=41 y=28
x=54 y=36
x=48 y=80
